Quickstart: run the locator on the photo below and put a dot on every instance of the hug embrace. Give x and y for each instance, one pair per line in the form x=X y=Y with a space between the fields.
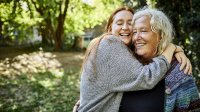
x=134 y=67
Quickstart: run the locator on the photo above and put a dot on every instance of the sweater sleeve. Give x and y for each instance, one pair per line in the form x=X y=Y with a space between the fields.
x=120 y=71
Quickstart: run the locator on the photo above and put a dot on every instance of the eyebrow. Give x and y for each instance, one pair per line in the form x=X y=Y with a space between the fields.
x=119 y=20
x=145 y=28
x=123 y=20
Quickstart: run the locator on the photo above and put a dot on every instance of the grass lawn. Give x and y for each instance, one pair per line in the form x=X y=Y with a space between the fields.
x=43 y=92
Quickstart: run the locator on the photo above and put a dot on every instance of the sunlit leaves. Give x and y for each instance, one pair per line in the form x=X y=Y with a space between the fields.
x=85 y=15
x=45 y=14
x=5 y=10
x=18 y=21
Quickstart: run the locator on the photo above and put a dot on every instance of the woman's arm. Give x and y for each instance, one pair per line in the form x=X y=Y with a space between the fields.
x=119 y=70
x=180 y=56
x=185 y=62
x=76 y=106
x=169 y=51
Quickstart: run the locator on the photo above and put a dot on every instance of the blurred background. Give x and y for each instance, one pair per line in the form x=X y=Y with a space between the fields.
x=42 y=44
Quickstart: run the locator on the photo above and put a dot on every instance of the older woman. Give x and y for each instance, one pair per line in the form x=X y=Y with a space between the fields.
x=152 y=33
x=110 y=68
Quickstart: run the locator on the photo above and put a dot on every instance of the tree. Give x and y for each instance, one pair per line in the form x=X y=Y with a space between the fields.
x=185 y=16
x=55 y=19
x=86 y=15
x=53 y=13
x=60 y=17
x=16 y=22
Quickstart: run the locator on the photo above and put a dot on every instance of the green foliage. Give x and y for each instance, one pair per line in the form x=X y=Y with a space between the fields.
x=185 y=16
x=42 y=92
x=17 y=22
x=19 y=16
x=83 y=15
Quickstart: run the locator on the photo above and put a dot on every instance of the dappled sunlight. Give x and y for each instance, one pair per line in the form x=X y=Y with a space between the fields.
x=29 y=64
x=40 y=81
x=57 y=72
x=47 y=83
x=74 y=79
x=79 y=57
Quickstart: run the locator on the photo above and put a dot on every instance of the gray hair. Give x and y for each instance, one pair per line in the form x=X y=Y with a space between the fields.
x=160 y=23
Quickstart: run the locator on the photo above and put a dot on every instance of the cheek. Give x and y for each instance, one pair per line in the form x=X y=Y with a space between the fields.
x=131 y=28
x=133 y=40
x=114 y=31
x=152 y=48
x=114 y=27
x=154 y=43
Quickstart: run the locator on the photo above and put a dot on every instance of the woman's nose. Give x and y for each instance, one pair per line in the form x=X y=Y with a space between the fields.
x=137 y=35
x=125 y=26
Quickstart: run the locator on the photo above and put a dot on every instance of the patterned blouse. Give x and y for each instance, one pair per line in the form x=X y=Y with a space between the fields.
x=181 y=91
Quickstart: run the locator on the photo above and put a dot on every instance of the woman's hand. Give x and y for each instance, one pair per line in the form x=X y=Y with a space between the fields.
x=76 y=106
x=185 y=62
x=169 y=52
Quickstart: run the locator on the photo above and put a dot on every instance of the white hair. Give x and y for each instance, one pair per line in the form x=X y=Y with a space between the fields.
x=160 y=23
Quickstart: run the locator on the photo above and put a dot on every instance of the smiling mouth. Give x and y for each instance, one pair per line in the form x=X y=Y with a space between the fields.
x=124 y=34
x=139 y=45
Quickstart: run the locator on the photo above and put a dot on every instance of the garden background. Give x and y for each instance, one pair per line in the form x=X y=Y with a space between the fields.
x=42 y=45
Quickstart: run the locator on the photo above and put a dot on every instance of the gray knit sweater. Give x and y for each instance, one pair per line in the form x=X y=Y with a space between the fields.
x=113 y=71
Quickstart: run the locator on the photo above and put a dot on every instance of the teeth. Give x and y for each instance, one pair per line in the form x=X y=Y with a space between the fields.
x=124 y=34
x=139 y=45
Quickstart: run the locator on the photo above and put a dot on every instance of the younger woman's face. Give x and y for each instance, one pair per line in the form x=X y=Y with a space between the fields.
x=122 y=26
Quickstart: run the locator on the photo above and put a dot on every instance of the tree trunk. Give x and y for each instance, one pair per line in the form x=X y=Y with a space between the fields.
x=78 y=43
x=52 y=33
x=60 y=27
x=47 y=33
x=59 y=33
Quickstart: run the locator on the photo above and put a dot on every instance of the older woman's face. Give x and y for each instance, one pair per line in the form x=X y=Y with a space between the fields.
x=122 y=26
x=145 y=40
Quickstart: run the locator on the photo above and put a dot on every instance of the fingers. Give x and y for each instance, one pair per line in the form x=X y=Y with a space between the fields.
x=190 y=71
x=178 y=58
x=183 y=64
x=78 y=102
x=188 y=67
x=76 y=106
x=186 y=70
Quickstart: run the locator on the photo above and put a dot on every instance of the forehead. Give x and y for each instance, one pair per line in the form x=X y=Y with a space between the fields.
x=123 y=15
x=143 y=21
